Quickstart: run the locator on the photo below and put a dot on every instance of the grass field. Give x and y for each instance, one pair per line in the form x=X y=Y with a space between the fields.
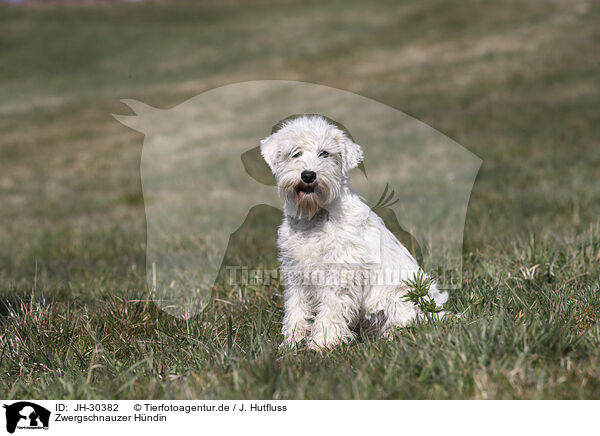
x=515 y=82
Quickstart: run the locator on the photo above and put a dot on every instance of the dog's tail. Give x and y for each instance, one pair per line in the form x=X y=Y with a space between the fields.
x=439 y=296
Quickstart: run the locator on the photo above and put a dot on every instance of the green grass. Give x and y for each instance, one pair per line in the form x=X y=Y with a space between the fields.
x=514 y=82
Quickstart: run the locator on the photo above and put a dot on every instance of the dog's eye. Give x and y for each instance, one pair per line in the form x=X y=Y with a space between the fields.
x=324 y=154
x=297 y=153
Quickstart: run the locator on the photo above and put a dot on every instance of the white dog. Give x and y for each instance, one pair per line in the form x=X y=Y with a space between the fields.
x=328 y=230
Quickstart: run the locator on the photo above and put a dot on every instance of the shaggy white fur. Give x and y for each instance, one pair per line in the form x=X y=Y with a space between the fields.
x=341 y=265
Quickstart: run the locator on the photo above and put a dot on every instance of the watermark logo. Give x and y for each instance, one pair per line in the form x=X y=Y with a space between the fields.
x=211 y=203
x=25 y=415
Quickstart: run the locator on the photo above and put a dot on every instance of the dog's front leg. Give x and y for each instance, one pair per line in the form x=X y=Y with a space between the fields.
x=296 y=324
x=336 y=311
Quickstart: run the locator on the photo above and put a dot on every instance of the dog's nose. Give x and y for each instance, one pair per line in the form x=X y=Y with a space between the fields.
x=308 y=176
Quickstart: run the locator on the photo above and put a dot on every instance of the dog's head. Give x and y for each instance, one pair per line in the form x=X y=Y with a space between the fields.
x=310 y=157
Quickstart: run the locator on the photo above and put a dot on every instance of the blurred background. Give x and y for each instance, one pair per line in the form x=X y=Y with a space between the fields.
x=517 y=83
x=514 y=82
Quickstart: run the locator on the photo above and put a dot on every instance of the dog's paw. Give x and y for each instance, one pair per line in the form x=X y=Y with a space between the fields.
x=316 y=347
x=292 y=339
x=289 y=345
x=321 y=341
x=295 y=333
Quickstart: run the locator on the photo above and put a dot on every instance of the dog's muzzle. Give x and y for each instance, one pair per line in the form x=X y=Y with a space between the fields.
x=306 y=188
x=308 y=182
x=308 y=177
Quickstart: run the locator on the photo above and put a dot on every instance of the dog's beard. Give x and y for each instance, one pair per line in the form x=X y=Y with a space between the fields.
x=307 y=203
x=307 y=199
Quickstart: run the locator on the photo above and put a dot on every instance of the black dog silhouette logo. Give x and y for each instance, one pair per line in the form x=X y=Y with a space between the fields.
x=26 y=415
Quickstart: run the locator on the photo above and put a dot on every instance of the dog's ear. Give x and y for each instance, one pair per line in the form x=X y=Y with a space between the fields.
x=268 y=150
x=352 y=156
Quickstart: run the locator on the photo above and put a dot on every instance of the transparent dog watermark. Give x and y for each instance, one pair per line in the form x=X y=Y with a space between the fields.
x=211 y=201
